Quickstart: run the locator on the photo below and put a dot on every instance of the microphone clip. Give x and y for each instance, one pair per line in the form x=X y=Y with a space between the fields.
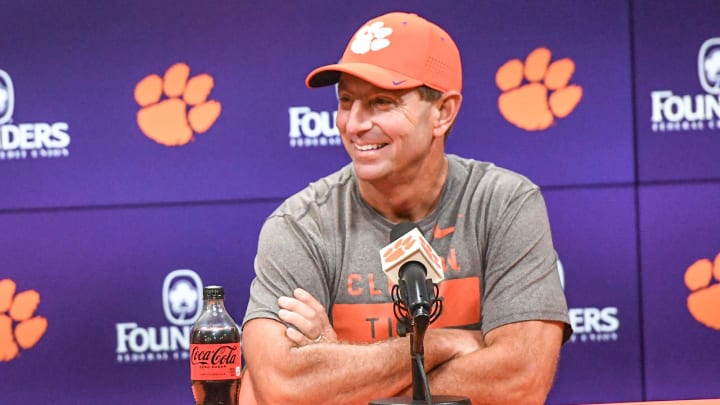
x=405 y=317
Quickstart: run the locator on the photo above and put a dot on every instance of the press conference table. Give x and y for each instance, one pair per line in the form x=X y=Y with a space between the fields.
x=678 y=402
x=246 y=398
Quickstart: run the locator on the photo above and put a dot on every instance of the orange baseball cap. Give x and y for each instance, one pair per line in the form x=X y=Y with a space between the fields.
x=397 y=51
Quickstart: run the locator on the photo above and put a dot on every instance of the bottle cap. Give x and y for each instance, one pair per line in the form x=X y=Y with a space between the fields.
x=213 y=292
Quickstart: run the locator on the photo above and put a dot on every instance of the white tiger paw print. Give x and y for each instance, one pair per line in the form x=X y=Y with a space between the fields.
x=371 y=37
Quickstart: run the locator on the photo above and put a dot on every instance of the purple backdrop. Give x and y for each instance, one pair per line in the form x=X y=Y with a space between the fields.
x=678 y=136
x=98 y=216
x=678 y=228
x=98 y=272
x=602 y=362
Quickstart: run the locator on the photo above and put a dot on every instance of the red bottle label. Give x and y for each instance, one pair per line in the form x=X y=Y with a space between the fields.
x=219 y=361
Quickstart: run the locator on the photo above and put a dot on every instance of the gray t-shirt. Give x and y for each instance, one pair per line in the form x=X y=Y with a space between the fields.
x=490 y=229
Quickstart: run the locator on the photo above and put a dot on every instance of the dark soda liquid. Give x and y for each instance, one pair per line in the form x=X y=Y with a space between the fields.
x=216 y=392
x=223 y=392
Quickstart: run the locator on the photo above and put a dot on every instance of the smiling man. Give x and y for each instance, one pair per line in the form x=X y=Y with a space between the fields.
x=319 y=327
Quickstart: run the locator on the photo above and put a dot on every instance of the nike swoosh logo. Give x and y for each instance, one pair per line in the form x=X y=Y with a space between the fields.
x=398 y=83
x=439 y=233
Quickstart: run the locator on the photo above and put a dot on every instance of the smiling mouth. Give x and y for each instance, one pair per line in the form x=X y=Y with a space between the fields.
x=364 y=148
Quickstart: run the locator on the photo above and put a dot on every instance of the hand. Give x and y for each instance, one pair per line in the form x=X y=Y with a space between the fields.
x=453 y=342
x=307 y=318
x=478 y=342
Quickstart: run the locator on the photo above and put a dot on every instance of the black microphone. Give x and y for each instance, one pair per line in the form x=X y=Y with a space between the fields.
x=406 y=261
x=413 y=282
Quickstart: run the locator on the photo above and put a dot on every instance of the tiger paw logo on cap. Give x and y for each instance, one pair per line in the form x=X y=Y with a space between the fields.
x=527 y=106
x=397 y=51
x=371 y=37
x=703 y=302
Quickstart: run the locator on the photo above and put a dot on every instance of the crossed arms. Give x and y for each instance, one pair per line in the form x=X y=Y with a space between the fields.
x=305 y=363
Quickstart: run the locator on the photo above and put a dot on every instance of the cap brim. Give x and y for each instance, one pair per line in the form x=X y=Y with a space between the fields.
x=380 y=77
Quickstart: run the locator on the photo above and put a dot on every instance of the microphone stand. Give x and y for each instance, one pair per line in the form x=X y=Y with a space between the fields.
x=417 y=354
x=419 y=320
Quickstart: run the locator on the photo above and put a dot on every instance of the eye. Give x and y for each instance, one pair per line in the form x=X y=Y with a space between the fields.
x=344 y=100
x=382 y=101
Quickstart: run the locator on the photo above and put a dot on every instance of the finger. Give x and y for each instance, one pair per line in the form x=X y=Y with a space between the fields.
x=295 y=336
x=295 y=305
x=307 y=315
x=302 y=324
x=307 y=298
x=318 y=310
x=313 y=320
x=320 y=317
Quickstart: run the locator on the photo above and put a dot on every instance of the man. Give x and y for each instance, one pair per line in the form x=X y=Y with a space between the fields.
x=319 y=327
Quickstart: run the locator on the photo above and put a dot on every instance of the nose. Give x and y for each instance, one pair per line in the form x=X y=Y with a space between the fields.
x=357 y=119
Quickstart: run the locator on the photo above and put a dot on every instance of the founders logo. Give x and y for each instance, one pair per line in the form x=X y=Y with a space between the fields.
x=7 y=98
x=28 y=140
x=591 y=324
x=709 y=66
x=682 y=112
x=310 y=128
x=182 y=304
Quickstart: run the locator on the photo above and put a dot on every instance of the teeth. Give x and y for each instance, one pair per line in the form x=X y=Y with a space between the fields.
x=370 y=147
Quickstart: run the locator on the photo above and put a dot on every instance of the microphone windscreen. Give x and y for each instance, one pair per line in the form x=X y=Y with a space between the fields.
x=401 y=229
x=407 y=244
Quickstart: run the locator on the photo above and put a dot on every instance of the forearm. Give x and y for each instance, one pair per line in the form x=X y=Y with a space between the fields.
x=285 y=373
x=506 y=371
x=301 y=360
x=487 y=377
x=346 y=373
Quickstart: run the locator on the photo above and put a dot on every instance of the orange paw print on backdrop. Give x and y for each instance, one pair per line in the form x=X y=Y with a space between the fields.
x=527 y=106
x=704 y=299
x=18 y=309
x=185 y=108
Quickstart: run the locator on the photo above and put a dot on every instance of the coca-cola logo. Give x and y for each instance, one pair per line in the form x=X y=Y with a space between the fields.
x=217 y=356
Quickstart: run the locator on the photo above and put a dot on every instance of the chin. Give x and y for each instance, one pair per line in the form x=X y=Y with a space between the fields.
x=367 y=172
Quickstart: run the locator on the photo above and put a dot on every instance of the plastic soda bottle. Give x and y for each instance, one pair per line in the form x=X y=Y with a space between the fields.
x=215 y=354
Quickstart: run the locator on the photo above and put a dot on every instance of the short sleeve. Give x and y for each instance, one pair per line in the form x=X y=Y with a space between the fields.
x=521 y=280
x=288 y=257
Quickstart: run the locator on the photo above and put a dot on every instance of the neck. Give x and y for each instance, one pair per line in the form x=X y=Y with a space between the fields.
x=409 y=197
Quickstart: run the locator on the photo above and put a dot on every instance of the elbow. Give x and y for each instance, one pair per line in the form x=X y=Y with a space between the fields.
x=273 y=388
x=529 y=397
x=529 y=388
x=269 y=396
x=278 y=395
x=273 y=398
x=522 y=395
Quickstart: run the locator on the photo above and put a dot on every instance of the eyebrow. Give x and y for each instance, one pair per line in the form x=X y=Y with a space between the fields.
x=375 y=90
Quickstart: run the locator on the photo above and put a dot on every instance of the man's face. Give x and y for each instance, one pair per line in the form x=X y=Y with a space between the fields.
x=387 y=133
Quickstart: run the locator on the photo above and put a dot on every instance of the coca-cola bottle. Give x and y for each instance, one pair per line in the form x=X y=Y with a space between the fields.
x=215 y=361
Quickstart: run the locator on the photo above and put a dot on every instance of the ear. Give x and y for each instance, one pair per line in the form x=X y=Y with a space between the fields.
x=448 y=107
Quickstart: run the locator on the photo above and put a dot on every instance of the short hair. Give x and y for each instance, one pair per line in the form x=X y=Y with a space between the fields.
x=429 y=94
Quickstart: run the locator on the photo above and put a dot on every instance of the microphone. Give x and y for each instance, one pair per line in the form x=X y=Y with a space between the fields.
x=407 y=243
x=408 y=261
